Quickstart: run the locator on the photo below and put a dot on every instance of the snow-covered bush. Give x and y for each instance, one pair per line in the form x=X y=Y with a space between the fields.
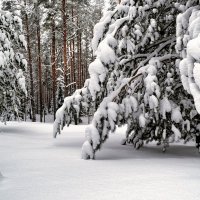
x=135 y=79
x=12 y=65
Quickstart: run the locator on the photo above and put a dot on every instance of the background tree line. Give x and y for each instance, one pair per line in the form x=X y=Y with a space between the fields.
x=58 y=35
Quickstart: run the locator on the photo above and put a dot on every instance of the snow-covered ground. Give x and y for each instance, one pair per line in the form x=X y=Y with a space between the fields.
x=37 y=167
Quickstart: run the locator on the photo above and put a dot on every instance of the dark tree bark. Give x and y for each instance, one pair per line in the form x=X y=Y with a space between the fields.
x=65 y=44
x=80 y=60
x=73 y=57
x=53 y=57
x=39 y=61
x=78 y=78
x=30 y=68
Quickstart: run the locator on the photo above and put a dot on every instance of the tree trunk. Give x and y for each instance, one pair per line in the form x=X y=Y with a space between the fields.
x=86 y=62
x=71 y=68
x=65 y=44
x=39 y=61
x=80 y=60
x=78 y=78
x=30 y=68
x=73 y=57
x=53 y=58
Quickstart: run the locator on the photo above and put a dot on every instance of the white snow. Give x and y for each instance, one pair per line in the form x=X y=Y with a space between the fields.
x=176 y=115
x=196 y=72
x=153 y=102
x=87 y=151
x=195 y=91
x=188 y=46
x=142 y=121
x=99 y=29
x=193 y=48
x=21 y=81
x=23 y=41
x=176 y=132
x=92 y=135
x=132 y=12
x=134 y=103
x=35 y=167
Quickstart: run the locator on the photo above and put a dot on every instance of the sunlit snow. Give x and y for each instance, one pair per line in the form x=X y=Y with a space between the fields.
x=37 y=167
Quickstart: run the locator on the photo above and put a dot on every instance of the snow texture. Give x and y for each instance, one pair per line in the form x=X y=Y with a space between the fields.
x=176 y=115
x=36 y=167
x=176 y=132
x=165 y=106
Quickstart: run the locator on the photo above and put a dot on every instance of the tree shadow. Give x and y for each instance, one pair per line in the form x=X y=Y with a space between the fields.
x=12 y=130
x=68 y=143
x=121 y=152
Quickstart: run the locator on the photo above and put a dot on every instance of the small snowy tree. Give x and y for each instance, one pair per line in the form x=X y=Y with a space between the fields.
x=12 y=65
x=134 y=79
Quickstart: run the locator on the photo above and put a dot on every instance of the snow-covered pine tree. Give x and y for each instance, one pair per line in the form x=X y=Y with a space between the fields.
x=134 y=79
x=12 y=65
x=188 y=46
x=110 y=4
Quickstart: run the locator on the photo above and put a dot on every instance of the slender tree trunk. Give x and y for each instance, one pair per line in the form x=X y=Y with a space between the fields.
x=73 y=56
x=37 y=102
x=71 y=61
x=71 y=68
x=30 y=68
x=53 y=58
x=39 y=62
x=46 y=93
x=65 y=43
x=80 y=60
x=49 y=99
x=78 y=78
x=86 y=62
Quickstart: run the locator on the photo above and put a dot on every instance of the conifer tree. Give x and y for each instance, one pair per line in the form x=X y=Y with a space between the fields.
x=188 y=46
x=135 y=78
x=12 y=65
